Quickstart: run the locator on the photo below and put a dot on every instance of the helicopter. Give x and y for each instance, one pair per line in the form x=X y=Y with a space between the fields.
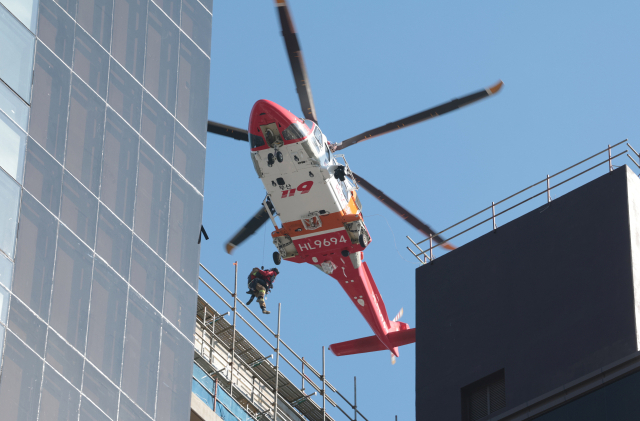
x=314 y=193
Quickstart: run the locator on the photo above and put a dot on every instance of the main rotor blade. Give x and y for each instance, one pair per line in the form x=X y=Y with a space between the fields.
x=250 y=227
x=402 y=212
x=297 y=62
x=422 y=116
x=229 y=131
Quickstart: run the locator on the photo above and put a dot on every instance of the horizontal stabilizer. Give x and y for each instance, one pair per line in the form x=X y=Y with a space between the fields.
x=402 y=337
x=372 y=343
x=358 y=346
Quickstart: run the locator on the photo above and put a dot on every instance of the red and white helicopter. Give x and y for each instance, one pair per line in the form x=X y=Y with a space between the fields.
x=315 y=194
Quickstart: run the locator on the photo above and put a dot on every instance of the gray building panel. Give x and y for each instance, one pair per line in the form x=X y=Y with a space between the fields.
x=50 y=103
x=43 y=177
x=91 y=194
x=64 y=359
x=59 y=401
x=549 y=298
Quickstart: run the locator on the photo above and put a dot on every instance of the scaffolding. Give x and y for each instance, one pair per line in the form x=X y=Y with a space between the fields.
x=251 y=380
x=426 y=255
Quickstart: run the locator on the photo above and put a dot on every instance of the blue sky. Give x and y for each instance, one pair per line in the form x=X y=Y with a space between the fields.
x=572 y=86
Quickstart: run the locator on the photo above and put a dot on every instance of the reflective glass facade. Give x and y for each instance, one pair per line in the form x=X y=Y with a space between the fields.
x=103 y=112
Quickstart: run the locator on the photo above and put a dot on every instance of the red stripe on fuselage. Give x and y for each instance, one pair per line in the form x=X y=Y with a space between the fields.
x=363 y=292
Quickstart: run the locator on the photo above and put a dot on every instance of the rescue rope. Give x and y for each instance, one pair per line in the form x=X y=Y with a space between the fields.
x=264 y=241
x=393 y=235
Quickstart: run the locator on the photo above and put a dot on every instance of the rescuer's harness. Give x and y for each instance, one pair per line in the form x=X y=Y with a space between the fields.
x=264 y=278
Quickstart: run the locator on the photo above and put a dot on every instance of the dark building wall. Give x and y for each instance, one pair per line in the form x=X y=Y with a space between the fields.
x=548 y=297
x=616 y=401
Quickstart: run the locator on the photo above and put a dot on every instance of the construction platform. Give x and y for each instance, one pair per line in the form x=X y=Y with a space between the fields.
x=233 y=379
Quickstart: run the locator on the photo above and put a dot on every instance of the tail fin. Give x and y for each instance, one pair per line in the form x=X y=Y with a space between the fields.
x=372 y=343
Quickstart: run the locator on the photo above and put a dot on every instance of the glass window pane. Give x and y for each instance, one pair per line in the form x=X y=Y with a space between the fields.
x=55 y=29
x=71 y=288
x=161 y=65
x=90 y=412
x=152 y=199
x=51 y=87
x=130 y=412
x=13 y=106
x=95 y=16
x=157 y=126
x=119 y=170
x=64 y=358
x=196 y=23
x=4 y=304
x=24 y=10
x=174 y=393
x=71 y=6
x=91 y=62
x=59 y=401
x=114 y=242
x=179 y=303
x=102 y=392
x=129 y=26
x=43 y=176
x=185 y=219
x=171 y=8
x=85 y=138
x=12 y=145
x=79 y=210
x=18 y=43
x=21 y=379
x=141 y=353
x=147 y=273
x=10 y=197
x=193 y=89
x=208 y=4
x=189 y=157
x=106 y=320
x=6 y=272
x=35 y=255
x=27 y=326
x=125 y=95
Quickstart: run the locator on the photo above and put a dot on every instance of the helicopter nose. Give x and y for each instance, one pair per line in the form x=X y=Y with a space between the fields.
x=268 y=112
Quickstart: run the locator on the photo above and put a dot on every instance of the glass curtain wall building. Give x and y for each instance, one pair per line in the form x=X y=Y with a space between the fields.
x=103 y=113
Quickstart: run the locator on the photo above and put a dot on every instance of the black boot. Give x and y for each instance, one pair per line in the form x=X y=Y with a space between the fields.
x=251 y=299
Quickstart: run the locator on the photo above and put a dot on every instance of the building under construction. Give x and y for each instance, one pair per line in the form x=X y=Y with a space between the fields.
x=234 y=380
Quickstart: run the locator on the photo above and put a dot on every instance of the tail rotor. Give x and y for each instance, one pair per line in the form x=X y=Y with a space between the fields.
x=395 y=319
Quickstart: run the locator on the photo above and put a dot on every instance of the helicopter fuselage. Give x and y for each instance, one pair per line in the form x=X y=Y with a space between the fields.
x=321 y=216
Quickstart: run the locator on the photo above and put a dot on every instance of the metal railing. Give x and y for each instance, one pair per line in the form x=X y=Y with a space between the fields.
x=323 y=386
x=426 y=255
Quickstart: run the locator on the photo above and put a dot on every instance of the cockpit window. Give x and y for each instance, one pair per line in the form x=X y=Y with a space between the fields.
x=327 y=155
x=318 y=135
x=296 y=130
x=255 y=140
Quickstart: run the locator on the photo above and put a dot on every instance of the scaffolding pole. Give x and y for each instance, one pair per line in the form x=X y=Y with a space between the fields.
x=355 y=400
x=233 y=336
x=204 y=330
x=215 y=395
x=302 y=390
x=324 y=390
x=275 y=400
